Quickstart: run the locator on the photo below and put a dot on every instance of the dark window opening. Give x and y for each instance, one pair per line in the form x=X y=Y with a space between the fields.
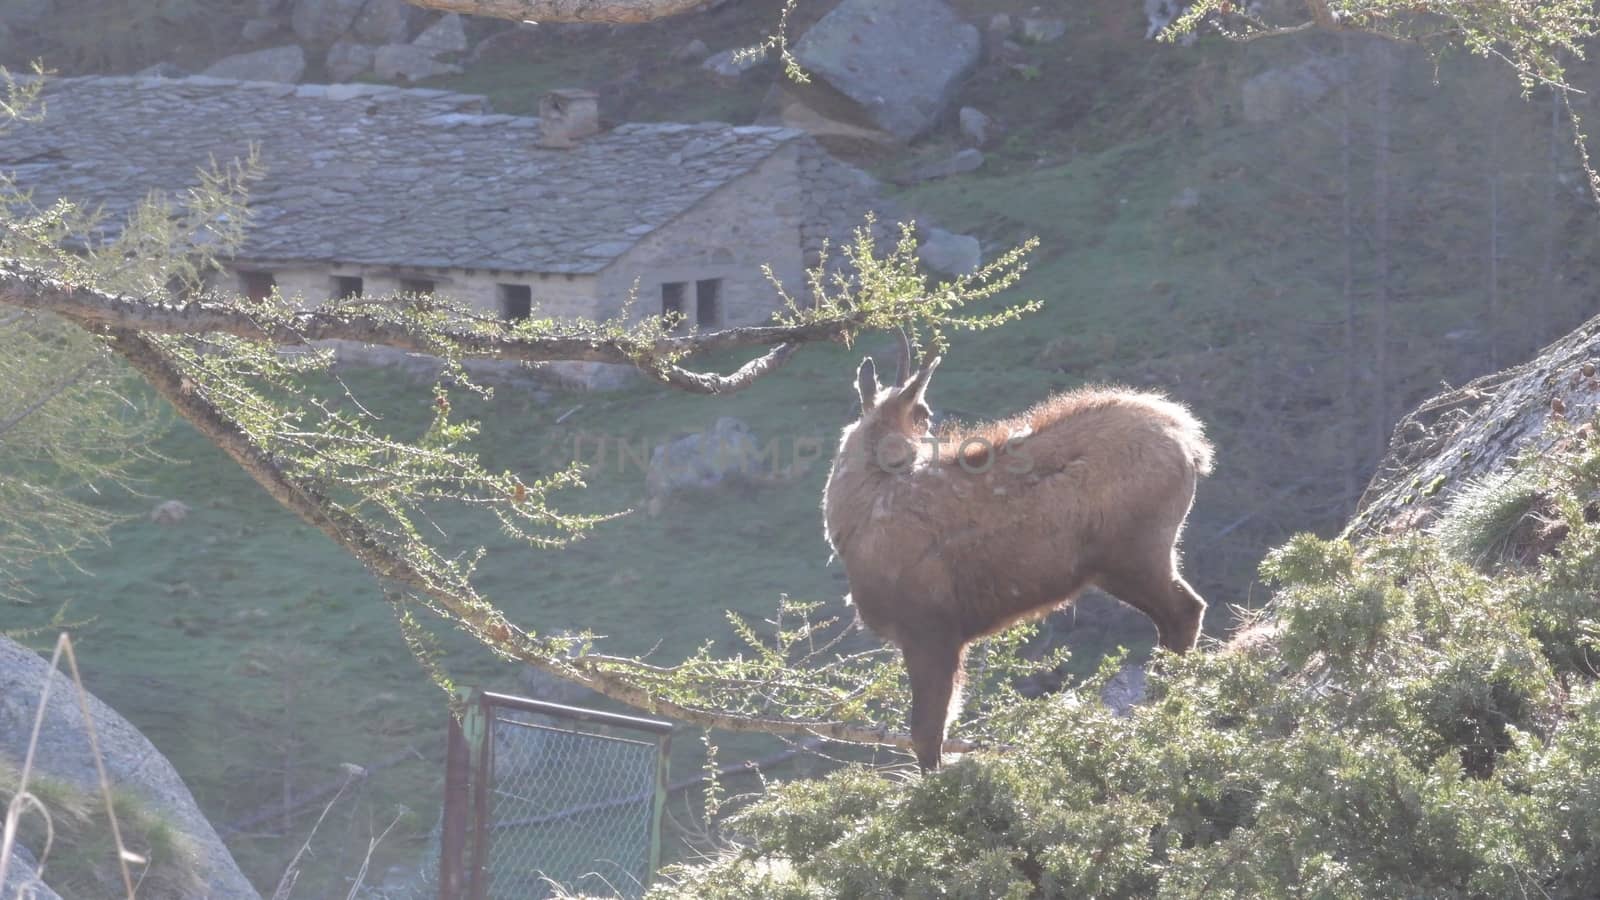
x=516 y=302
x=346 y=286
x=257 y=286
x=672 y=296
x=416 y=286
x=708 y=302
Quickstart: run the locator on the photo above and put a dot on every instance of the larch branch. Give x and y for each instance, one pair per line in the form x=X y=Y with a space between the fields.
x=479 y=619
x=29 y=287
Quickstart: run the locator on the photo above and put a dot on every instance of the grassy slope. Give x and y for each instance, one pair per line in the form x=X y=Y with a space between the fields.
x=241 y=642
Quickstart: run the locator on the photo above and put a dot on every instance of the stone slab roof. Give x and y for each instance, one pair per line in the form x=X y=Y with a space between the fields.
x=380 y=175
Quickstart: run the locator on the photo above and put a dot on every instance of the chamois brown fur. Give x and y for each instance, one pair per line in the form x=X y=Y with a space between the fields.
x=952 y=536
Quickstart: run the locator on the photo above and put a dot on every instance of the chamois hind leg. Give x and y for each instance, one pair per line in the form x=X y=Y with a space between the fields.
x=1160 y=593
x=934 y=664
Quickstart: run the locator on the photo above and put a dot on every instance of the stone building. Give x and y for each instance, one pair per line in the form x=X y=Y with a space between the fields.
x=372 y=189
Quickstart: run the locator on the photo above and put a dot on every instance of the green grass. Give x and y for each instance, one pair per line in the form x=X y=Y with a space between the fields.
x=82 y=860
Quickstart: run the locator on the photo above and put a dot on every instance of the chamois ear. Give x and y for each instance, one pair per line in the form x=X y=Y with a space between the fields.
x=867 y=384
x=918 y=384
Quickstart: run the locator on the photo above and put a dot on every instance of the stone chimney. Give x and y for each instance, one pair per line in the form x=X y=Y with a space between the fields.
x=567 y=116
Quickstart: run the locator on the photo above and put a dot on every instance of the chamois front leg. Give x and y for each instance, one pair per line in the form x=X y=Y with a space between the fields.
x=934 y=663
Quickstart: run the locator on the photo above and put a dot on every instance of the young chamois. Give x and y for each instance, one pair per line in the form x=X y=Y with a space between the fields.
x=947 y=537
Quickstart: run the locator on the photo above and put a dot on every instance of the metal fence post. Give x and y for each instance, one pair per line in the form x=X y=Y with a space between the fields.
x=453 y=830
x=663 y=754
x=480 y=736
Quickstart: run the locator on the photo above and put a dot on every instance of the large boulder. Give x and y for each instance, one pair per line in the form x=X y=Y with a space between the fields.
x=444 y=36
x=285 y=63
x=899 y=61
x=385 y=21
x=347 y=59
x=1277 y=94
x=726 y=454
x=321 y=22
x=1463 y=435
x=948 y=253
x=132 y=763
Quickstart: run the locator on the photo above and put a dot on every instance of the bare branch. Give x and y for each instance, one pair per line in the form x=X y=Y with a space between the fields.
x=614 y=12
x=705 y=383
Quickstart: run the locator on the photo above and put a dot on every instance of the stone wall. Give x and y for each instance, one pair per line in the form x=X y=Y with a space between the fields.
x=753 y=220
x=553 y=295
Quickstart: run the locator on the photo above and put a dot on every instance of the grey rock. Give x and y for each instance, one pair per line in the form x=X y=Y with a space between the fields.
x=256 y=29
x=22 y=877
x=730 y=64
x=265 y=8
x=1187 y=199
x=974 y=125
x=1277 y=94
x=900 y=61
x=384 y=22
x=395 y=62
x=321 y=22
x=703 y=461
x=443 y=36
x=1041 y=30
x=347 y=59
x=7 y=40
x=948 y=253
x=694 y=51
x=1125 y=690
x=286 y=63
x=170 y=512
x=961 y=161
x=131 y=762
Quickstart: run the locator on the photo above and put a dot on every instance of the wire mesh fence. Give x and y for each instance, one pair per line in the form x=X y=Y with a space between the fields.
x=572 y=807
x=544 y=800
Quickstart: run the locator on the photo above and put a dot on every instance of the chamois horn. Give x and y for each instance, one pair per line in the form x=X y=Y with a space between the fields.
x=903 y=372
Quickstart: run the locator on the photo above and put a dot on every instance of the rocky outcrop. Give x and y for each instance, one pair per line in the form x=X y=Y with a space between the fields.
x=285 y=64
x=898 y=61
x=131 y=762
x=1467 y=433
